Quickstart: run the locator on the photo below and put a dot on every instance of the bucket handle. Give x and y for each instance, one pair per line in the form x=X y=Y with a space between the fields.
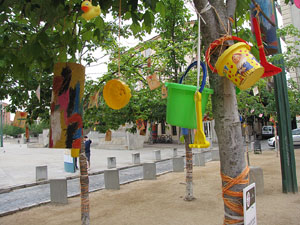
x=217 y=42
x=204 y=74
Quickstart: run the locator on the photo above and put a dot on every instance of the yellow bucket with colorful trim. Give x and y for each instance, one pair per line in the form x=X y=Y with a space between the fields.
x=116 y=94
x=236 y=63
x=75 y=152
x=239 y=66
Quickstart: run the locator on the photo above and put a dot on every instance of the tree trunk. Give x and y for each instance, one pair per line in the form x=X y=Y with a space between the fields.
x=189 y=168
x=225 y=112
x=84 y=186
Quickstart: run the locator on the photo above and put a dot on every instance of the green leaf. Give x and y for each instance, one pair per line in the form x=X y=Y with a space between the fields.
x=127 y=15
x=135 y=27
x=36 y=49
x=100 y=23
x=90 y=25
x=160 y=7
x=63 y=55
x=97 y=34
x=87 y=36
x=43 y=38
x=148 y=21
x=27 y=9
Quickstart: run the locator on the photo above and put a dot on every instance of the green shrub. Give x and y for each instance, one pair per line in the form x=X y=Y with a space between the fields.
x=36 y=129
x=12 y=131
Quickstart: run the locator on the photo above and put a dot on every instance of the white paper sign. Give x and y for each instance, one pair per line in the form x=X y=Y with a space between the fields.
x=249 y=203
x=67 y=156
x=255 y=91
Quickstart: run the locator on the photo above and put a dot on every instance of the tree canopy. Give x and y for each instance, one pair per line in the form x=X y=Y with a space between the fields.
x=162 y=55
x=36 y=34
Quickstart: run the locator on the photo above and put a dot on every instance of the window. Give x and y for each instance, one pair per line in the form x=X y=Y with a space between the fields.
x=174 y=130
x=163 y=128
x=296 y=132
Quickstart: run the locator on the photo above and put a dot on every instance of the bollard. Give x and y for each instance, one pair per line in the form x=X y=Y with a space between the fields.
x=111 y=179
x=215 y=155
x=199 y=159
x=175 y=153
x=157 y=155
x=178 y=164
x=58 y=191
x=41 y=173
x=111 y=162
x=252 y=146
x=149 y=171
x=256 y=176
x=136 y=159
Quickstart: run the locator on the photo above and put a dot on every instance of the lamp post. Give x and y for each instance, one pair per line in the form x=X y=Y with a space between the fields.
x=287 y=156
x=1 y=127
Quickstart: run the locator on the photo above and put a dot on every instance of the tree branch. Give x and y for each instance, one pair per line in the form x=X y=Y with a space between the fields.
x=75 y=23
x=230 y=5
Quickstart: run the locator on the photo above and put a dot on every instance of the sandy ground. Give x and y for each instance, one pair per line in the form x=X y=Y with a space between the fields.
x=160 y=202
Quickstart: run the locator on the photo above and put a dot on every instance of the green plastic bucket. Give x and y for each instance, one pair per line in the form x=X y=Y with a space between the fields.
x=181 y=109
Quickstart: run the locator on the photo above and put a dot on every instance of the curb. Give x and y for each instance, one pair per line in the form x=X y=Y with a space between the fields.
x=12 y=188
x=76 y=195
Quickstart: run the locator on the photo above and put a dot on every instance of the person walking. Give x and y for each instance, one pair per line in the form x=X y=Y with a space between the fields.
x=87 y=144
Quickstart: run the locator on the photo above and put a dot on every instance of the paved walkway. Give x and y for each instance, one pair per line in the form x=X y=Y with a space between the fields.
x=19 y=190
x=18 y=163
x=28 y=197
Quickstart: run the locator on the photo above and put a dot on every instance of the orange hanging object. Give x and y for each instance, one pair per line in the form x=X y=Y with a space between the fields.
x=200 y=139
x=164 y=92
x=140 y=124
x=149 y=62
x=108 y=135
x=94 y=100
x=116 y=94
x=20 y=119
x=27 y=133
x=153 y=82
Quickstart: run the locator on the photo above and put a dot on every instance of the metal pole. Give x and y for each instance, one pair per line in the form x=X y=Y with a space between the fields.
x=1 y=127
x=287 y=156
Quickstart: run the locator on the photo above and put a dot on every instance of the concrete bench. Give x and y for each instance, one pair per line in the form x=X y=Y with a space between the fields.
x=149 y=171
x=215 y=155
x=58 y=191
x=256 y=176
x=111 y=162
x=178 y=164
x=157 y=155
x=136 y=159
x=41 y=173
x=175 y=152
x=199 y=159
x=111 y=179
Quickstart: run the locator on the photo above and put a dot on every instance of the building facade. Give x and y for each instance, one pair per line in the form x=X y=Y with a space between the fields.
x=5 y=114
x=291 y=15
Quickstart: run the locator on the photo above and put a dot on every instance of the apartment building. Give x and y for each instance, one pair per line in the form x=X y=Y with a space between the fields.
x=5 y=114
x=291 y=15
